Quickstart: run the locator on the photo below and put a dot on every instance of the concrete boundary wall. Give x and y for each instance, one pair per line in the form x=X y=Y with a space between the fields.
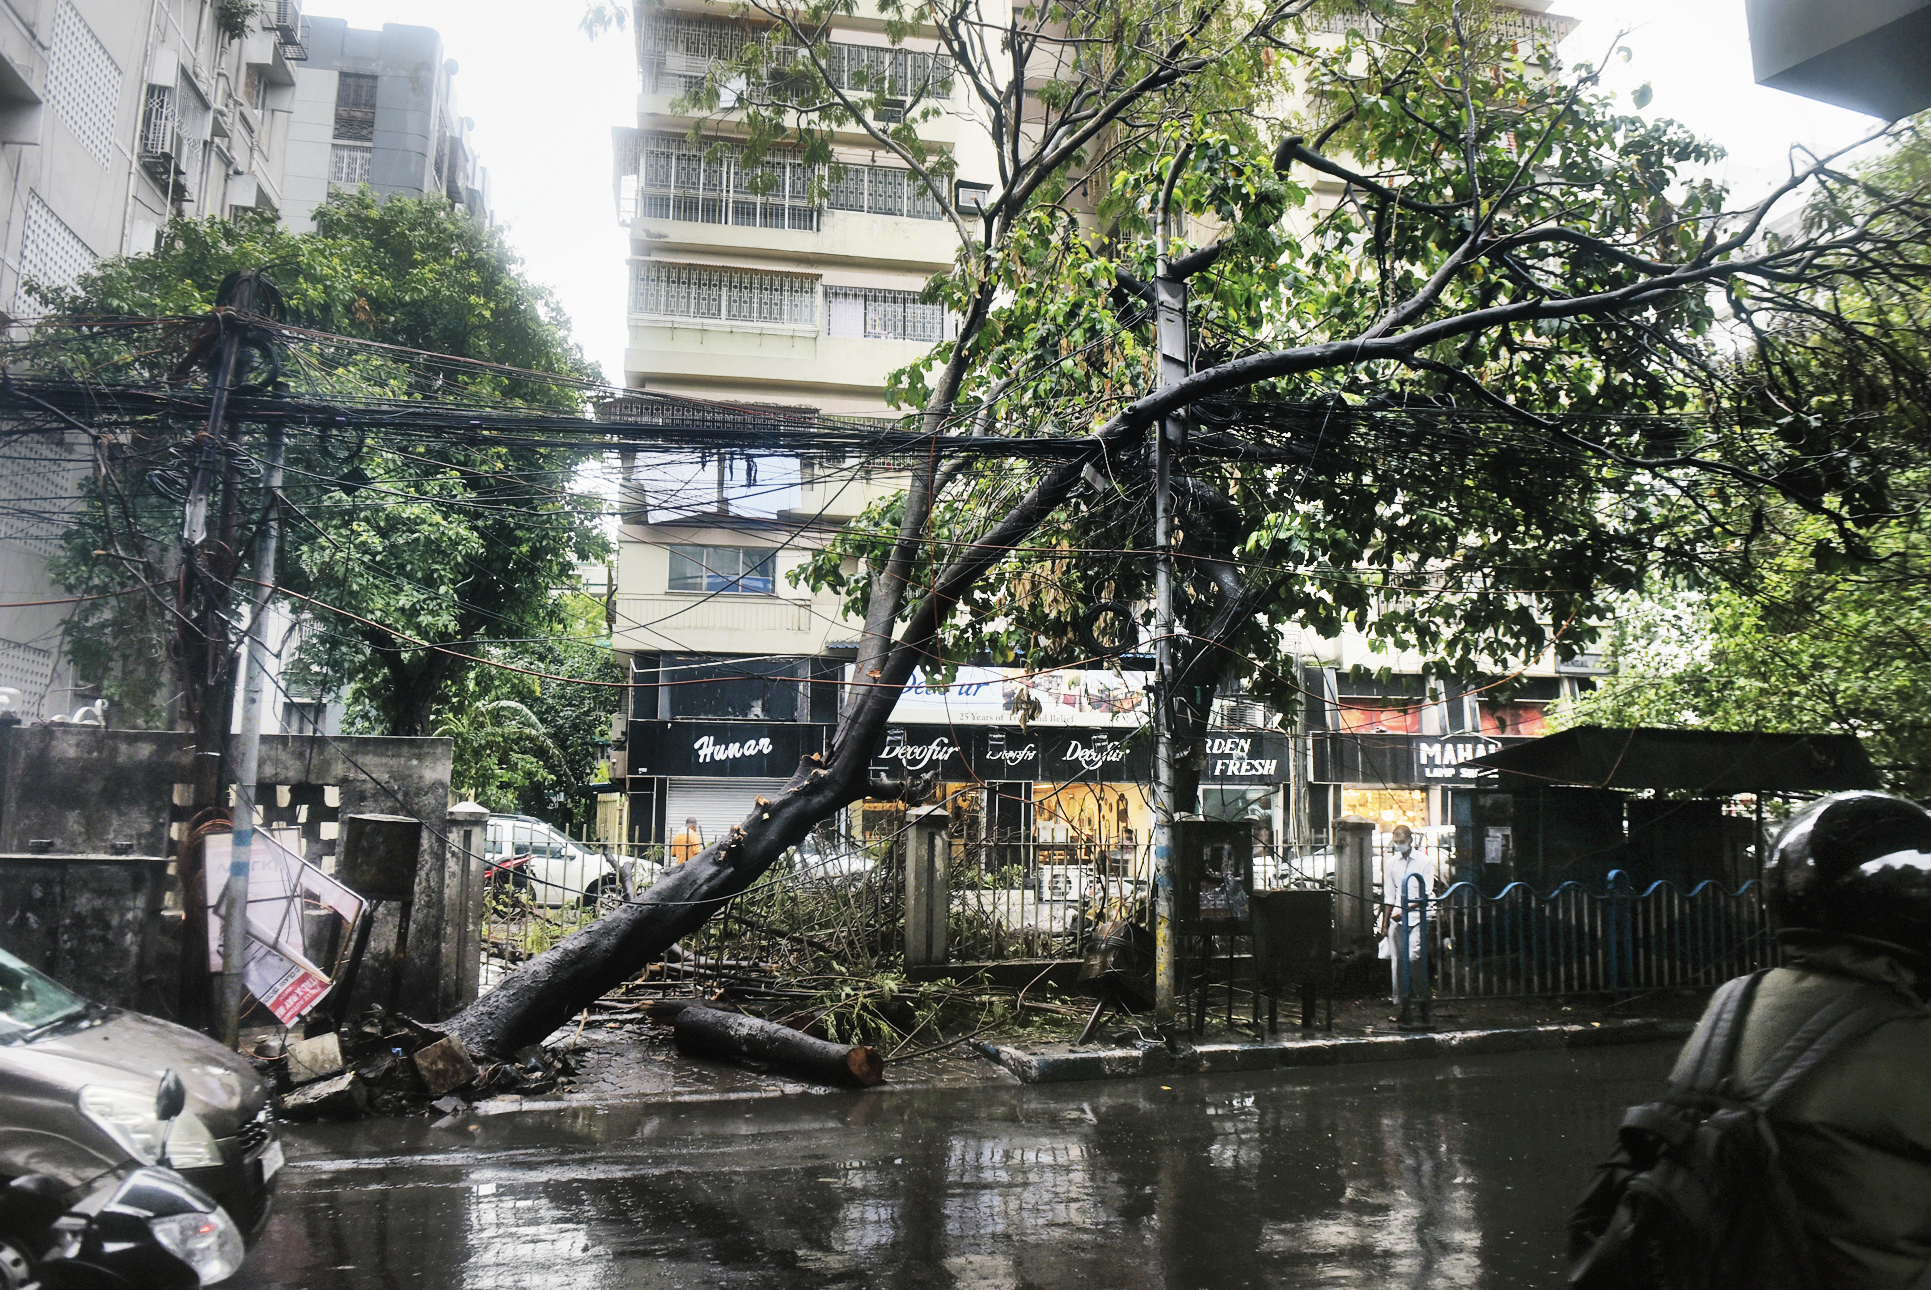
x=78 y=790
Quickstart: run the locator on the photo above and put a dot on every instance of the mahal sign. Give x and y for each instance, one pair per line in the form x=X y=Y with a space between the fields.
x=1404 y=761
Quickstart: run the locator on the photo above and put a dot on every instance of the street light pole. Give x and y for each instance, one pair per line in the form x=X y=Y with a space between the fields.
x=1170 y=320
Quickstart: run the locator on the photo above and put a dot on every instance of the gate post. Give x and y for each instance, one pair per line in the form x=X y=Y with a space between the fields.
x=1355 y=897
x=463 y=906
x=927 y=891
x=1621 y=947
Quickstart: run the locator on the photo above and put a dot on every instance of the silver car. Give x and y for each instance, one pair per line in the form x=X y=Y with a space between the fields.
x=78 y=1084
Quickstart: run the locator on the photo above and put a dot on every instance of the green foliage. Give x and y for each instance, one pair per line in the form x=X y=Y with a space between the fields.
x=396 y=544
x=233 y=16
x=1496 y=543
x=525 y=740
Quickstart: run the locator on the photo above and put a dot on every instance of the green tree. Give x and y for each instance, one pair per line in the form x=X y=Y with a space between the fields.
x=531 y=732
x=1446 y=322
x=398 y=545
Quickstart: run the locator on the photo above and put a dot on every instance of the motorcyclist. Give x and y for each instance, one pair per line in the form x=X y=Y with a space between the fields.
x=1848 y=884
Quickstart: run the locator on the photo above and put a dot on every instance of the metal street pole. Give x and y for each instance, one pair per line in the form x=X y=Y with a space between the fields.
x=234 y=940
x=1170 y=318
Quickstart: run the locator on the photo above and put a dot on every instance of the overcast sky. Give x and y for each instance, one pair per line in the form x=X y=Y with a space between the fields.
x=544 y=98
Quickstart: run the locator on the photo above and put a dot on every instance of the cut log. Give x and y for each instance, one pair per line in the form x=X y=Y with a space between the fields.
x=708 y=1032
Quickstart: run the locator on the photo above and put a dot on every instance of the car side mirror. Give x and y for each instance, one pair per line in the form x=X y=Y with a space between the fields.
x=171 y=1098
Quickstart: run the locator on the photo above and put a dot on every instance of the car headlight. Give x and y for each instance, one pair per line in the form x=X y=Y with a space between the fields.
x=128 y=1118
x=209 y=1243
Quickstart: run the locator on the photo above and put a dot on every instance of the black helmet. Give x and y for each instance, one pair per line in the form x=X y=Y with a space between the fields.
x=1855 y=865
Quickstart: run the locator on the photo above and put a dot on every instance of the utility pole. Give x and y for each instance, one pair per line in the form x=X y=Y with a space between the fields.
x=201 y=635
x=234 y=940
x=1170 y=318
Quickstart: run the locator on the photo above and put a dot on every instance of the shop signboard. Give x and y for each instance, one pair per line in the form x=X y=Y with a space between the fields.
x=956 y=753
x=1001 y=696
x=1404 y=761
x=1054 y=754
x=723 y=749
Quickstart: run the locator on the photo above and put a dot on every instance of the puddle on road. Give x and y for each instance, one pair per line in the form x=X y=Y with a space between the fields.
x=1435 y=1174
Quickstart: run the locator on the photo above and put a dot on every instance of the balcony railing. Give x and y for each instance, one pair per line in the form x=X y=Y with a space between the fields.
x=676 y=50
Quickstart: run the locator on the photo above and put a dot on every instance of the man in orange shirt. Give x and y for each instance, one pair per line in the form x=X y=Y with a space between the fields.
x=687 y=843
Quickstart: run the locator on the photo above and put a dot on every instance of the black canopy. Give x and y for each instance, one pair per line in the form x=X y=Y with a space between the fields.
x=1708 y=763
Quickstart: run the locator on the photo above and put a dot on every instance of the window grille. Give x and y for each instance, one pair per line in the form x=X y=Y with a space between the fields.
x=728 y=295
x=882 y=190
x=157 y=122
x=355 y=107
x=1512 y=24
x=193 y=119
x=676 y=50
x=882 y=315
x=712 y=185
x=51 y=254
x=83 y=82
x=349 y=164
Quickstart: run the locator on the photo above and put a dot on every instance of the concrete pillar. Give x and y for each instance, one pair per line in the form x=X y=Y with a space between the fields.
x=1355 y=895
x=463 y=906
x=927 y=893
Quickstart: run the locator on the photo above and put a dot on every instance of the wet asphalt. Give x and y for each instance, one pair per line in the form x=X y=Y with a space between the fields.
x=1436 y=1173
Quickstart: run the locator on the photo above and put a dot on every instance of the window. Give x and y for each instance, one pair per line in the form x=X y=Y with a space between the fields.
x=349 y=164
x=882 y=315
x=254 y=90
x=883 y=190
x=733 y=570
x=696 y=291
x=83 y=82
x=157 y=122
x=674 y=178
x=676 y=50
x=355 y=106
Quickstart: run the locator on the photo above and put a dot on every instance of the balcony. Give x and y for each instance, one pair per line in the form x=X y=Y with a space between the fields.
x=726 y=624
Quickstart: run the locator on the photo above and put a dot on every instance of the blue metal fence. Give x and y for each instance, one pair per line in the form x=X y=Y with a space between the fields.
x=1573 y=941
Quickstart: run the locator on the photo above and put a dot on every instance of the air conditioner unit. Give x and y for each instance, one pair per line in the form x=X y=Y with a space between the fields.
x=288 y=20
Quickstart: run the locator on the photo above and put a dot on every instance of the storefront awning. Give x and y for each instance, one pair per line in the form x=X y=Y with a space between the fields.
x=1708 y=763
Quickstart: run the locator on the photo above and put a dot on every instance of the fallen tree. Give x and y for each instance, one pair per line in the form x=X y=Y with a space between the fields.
x=712 y=1032
x=1524 y=247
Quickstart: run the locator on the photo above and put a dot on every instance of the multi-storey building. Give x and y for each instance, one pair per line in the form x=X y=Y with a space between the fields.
x=749 y=287
x=378 y=108
x=114 y=116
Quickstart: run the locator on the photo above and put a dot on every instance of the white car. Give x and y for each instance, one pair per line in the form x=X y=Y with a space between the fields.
x=524 y=854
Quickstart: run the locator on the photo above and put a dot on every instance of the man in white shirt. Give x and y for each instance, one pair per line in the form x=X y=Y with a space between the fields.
x=1396 y=867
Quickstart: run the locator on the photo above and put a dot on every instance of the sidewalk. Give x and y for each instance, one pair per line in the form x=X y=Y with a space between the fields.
x=633 y=1061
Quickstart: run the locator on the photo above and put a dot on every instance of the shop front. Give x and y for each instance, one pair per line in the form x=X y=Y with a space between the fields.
x=1027 y=801
x=1423 y=781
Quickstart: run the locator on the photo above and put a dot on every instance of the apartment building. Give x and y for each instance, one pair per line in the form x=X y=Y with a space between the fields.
x=746 y=289
x=378 y=108
x=114 y=116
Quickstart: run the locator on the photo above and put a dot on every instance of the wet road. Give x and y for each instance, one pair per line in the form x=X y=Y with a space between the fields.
x=1436 y=1174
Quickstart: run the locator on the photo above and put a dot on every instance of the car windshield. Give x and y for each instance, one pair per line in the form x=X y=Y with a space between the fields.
x=30 y=999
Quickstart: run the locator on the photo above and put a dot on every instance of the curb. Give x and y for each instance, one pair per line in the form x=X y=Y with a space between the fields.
x=1150 y=1058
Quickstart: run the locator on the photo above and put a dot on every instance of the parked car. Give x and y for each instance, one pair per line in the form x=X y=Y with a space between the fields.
x=833 y=857
x=78 y=1089
x=522 y=852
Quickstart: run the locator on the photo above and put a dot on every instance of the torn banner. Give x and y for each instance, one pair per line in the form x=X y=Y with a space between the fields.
x=277 y=968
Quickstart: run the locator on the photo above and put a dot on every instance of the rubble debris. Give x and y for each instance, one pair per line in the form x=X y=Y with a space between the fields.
x=444 y=1065
x=313 y=1059
x=341 y=1097
x=708 y=1032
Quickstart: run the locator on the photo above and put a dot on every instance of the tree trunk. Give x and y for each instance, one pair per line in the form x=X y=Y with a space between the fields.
x=572 y=974
x=709 y=1032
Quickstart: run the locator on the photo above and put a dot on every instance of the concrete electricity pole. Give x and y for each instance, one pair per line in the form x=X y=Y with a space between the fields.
x=234 y=940
x=1170 y=318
